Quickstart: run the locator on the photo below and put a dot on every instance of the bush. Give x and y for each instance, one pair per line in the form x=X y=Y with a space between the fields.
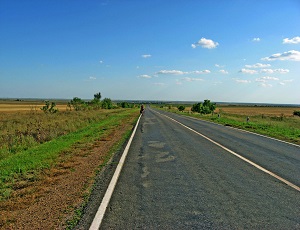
x=206 y=108
x=106 y=103
x=181 y=108
x=296 y=113
x=49 y=108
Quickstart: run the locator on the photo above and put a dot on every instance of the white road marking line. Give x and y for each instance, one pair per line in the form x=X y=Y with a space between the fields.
x=105 y=201
x=243 y=130
x=239 y=156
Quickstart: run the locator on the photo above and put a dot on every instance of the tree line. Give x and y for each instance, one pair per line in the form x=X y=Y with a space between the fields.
x=79 y=104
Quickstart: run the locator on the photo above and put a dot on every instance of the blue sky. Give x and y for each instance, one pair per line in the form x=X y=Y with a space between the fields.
x=230 y=51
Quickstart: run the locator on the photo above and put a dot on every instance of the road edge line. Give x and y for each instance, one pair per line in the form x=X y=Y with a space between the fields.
x=105 y=201
x=239 y=156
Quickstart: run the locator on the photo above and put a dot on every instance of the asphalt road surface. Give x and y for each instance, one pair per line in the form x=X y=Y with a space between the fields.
x=174 y=178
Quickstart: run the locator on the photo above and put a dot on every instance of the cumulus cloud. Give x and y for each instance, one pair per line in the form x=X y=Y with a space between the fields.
x=205 y=43
x=172 y=72
x=258 y=65
x=219 y=66
x=265 y=85
x=192 y=79
x=292 y=55
x=146 y=55
x=144 y=76
x=242 y=81
x=282 y=71
x=256 y=39
x=294 y=40
x=179 y=72
x=223 y=71
x=200 y=72
x=266 y=78
x=248 y=71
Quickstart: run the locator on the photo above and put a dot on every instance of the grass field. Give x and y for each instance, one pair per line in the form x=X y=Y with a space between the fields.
x=277 y=122
x=43 y=155
x=38 y=149
x=32 y=105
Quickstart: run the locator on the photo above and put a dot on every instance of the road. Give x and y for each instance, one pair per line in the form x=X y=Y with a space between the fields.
x=174 y=178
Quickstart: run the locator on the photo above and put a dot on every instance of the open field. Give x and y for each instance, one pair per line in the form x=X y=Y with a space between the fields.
x=277 y=122
x=258 y=110
x=48 y=162
x=34 y=105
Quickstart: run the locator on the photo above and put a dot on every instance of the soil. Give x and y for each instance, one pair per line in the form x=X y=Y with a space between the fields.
x=48 y=200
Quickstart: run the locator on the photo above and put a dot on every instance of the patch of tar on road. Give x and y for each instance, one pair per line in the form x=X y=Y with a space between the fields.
x=164 y=157
x=156 y=144
x=145 y=172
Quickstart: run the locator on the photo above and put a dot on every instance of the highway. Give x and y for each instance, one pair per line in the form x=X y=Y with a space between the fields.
x=184 y=173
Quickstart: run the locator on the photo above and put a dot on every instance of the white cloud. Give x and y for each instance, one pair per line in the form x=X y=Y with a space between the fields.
x=258 y=65
x=256 y=39
x=265 y=85
x=293 y=55
x=92 y=78
x=248 y=71
x=179 y=72
x=266 y=78
x=101 y=62
x=223 y=71
x=144 y=76
x=192 y=79
x=282 y=71
x=294 y=40
x=200 y=72
x=146 y=55
x=173 y=72
x=219 y=66
x=241 y=81
x=159 y=84
x=205 y=43
x=284 y=82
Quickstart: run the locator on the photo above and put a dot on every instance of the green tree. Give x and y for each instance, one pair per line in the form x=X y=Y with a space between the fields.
x=181 y=108
x=125 y=104
x=97 y=96
x=206 y=108
x=77 y=103
x=106 y=103
x=49 y=107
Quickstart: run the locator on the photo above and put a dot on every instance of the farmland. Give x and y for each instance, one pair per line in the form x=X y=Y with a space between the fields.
x=43 y=156
x=274 y=121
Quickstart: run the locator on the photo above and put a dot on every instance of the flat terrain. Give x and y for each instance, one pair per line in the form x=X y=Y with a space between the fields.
x=258 y=110
x=176 y=179
x=13 y=106
x=49 y=162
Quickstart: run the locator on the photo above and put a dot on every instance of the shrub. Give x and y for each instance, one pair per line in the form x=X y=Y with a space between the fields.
x=181 y=108
x=296 y=113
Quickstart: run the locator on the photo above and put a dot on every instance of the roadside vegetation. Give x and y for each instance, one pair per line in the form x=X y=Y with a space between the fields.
x=31 y=141
x=279 y=122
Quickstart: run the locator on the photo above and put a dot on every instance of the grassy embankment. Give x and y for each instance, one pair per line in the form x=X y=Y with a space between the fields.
x=32 y=141
x=276 y=122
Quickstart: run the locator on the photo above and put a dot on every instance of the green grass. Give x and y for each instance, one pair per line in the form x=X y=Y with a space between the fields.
x=282 y=128
x=45 y=155
x=78 y=212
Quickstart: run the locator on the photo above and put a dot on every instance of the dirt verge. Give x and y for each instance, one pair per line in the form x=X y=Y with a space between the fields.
x=49 y=200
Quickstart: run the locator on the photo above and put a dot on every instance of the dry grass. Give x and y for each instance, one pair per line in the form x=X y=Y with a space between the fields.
x=14 y=106
x=256 y=110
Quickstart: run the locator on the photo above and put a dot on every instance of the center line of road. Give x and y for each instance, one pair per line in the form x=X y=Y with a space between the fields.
x=237 y=155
